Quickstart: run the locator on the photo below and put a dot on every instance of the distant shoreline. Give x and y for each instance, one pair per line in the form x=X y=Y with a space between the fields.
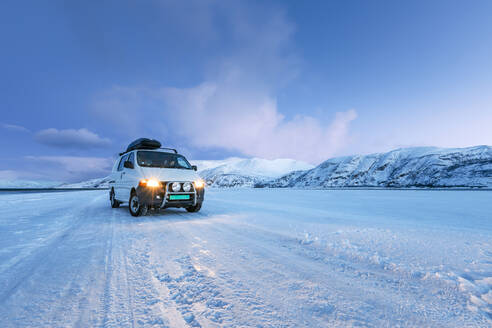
x=47 y=189
x=41 y=190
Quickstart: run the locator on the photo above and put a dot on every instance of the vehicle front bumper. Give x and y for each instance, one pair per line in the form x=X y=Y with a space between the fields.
x=158 y=197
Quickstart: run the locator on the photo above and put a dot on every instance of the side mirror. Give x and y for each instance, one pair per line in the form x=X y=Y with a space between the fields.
x=194 y=167
x=128 y=165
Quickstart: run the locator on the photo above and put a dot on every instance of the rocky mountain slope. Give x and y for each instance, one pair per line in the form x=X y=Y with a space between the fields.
x=408 y=167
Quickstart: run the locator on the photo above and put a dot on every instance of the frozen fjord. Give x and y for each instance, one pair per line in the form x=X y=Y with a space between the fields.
x=252 y=257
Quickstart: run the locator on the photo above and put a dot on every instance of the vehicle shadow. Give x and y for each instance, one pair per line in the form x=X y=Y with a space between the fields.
x=168 y=214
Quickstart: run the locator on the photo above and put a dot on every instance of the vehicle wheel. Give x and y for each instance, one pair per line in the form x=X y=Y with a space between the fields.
x=114 y=202
x=195 y=208
x=136 y=209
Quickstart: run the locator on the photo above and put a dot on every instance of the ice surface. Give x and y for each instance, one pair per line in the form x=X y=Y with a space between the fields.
x=251 y=257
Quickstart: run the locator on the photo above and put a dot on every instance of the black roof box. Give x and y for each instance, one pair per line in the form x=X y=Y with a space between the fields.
x=144 y=143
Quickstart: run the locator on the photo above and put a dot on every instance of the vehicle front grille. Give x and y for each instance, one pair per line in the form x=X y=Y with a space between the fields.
x=167 y=187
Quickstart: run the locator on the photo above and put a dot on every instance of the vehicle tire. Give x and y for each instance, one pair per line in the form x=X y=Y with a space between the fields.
x=114 y=202
x=136 y=209
x=195 y=208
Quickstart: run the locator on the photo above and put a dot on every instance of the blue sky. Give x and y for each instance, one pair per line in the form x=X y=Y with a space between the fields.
x=299 y=79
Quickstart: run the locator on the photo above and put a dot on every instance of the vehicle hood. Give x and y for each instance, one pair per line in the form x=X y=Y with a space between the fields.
x=168 y=174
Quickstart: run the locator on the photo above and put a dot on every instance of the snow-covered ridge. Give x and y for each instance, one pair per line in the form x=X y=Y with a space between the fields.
x=407 y=167
x=239 y=172
x=99 y=183
x=13 y=184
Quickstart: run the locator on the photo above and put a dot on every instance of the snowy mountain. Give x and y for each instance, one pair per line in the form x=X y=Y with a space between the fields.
x=13 y=184
x=408 y=167
x=93 y=183
x=240 y=172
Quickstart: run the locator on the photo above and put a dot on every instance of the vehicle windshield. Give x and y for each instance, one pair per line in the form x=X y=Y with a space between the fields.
x=162 y=160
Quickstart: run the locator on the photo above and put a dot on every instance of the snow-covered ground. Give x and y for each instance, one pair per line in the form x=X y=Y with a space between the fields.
x=250 y=258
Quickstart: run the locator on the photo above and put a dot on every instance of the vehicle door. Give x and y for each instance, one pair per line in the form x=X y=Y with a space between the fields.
x=118 y=192
x=129 y=176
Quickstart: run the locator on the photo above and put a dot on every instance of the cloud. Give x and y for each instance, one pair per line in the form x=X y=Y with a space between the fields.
x=8 y=175
x=235 y=106
x=14 y=127
x=57 y=169
x=71 y=168
x=71 y=138
x=224 y=115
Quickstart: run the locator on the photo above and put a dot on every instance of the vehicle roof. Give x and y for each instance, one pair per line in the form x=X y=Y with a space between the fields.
x=160 y=150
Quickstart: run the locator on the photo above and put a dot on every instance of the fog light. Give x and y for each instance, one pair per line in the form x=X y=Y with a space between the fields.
x=186 y=186
x=176 y=186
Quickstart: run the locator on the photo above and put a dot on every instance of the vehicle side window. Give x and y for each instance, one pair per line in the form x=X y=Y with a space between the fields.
x=131 y=158
x=122 y=161
x=182 y=163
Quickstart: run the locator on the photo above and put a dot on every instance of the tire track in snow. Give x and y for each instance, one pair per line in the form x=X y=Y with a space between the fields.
x=272 y=259
x=108 y=272
x=24 y=269
x=190 y=297
x=266 y=278
x=203 y=297
x=50 y=299
x=195 y=295
x=289 y=255
x=129 y=292
x=131 y=303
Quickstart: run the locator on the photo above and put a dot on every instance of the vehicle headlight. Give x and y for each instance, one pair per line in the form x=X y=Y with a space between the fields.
x=186 y=186
x=199 y=183
x=176 y=186
x=152 y=183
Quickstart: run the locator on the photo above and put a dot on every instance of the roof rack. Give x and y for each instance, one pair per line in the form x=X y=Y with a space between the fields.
x=174 y=150
x=142 y=143
x=165 y=148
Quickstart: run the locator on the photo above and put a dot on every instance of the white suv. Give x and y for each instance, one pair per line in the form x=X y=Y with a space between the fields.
x=147 y=176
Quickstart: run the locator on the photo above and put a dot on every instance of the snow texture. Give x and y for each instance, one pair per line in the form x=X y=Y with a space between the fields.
x=408 y=167
x=250 y=258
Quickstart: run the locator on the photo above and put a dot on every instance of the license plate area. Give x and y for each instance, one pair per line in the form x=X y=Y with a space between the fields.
x=179 y=197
